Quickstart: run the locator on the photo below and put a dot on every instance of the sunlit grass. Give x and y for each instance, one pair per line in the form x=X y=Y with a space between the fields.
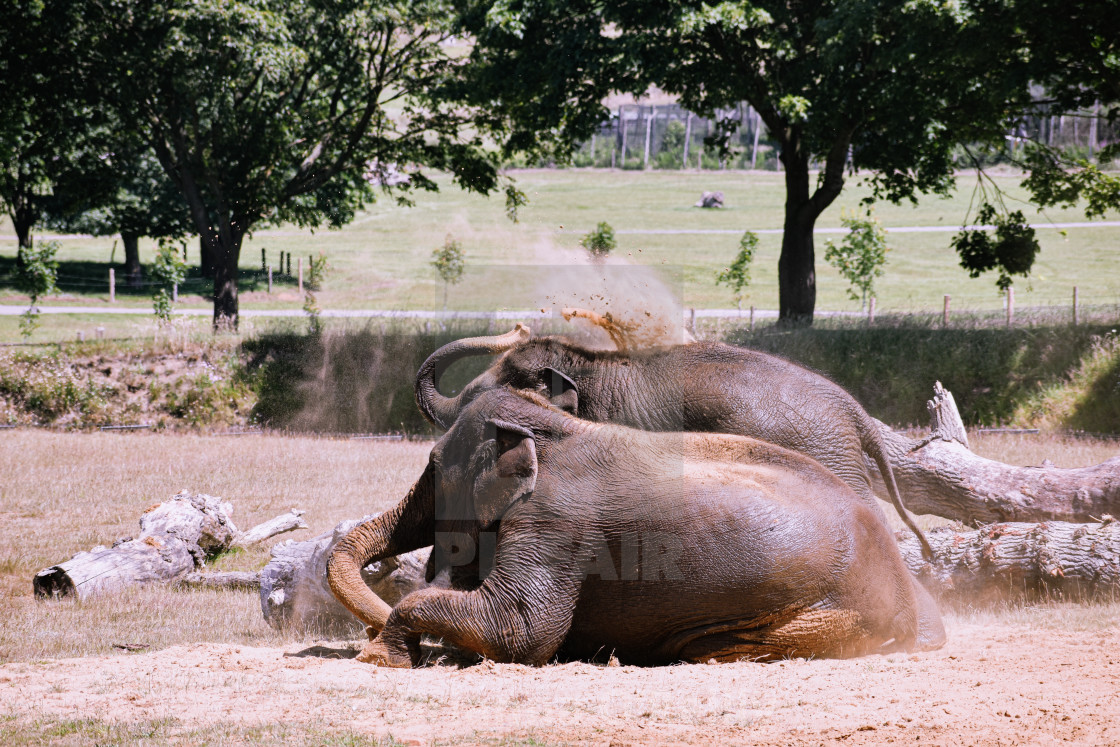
x=382 y=259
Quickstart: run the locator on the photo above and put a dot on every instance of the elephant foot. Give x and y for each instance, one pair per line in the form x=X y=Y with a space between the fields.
x=378 y=653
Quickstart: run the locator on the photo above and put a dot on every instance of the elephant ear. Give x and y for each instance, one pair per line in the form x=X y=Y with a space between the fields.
x=510 y=477
x=562 y=391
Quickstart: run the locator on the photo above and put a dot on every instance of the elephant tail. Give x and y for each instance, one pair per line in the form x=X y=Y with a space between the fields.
x=873 y=446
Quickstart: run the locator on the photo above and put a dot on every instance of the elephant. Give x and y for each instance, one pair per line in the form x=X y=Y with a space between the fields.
x=659 y=547
x=700 y=386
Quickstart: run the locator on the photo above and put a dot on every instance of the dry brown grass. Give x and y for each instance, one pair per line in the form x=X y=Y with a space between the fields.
x=61 y=493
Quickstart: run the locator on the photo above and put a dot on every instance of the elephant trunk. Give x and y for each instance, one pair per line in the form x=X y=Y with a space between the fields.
x=407 y=527
x=439 y=410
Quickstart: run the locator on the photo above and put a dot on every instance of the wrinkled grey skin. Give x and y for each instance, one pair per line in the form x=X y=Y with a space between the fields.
x=702 y=387
x=660 y=547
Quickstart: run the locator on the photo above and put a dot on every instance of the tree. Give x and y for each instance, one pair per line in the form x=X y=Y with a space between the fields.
x=134 y=199
x=738 y=276
x=48 y=134
x=860 y=256
x=267 y=111
x=600 y=241
x=449 y=263
x=36 y=276
x=884 y=87
x=169 y=270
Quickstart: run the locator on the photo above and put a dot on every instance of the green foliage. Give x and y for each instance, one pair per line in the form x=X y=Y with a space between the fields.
x=1010 y=250
x=861 y=255
x=49 y=389
x=168 y=269
x=600 y=241
x=738 y=276
x=317 y=272
x=271 y=111
x=449 y=263
x=36 y=276
x=515 y=200
x=1055 y=182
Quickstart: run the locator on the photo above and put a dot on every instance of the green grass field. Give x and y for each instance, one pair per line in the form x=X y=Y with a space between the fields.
x=382 y=259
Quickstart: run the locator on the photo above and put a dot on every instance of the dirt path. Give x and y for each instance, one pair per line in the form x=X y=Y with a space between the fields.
x=992 y=685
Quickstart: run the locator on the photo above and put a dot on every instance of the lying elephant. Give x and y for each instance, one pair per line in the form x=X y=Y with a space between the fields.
x=659 y=547
x=702 y=386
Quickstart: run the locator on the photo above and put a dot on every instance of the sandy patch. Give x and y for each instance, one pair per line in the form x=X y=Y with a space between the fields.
x=990 y=685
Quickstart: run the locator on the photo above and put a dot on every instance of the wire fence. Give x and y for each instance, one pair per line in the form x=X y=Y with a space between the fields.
x=667 y=136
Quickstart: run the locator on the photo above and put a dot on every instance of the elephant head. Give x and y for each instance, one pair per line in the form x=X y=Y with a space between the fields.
x=483 y=465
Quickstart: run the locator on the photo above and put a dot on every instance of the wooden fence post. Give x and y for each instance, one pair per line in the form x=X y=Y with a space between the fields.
x=1010 y=305
x=270 y=278
x=649 y=129
x=752 y=320
x=945 y=312
x=264 y=260
x=112 y=285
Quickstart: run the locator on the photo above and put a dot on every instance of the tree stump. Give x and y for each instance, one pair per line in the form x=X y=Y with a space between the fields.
x=294 y=590
x=710 y=200
x=176 y=537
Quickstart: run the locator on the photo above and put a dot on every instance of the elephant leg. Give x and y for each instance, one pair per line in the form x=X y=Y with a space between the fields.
x=931 y=630
x=521 y=613
x=807 y=633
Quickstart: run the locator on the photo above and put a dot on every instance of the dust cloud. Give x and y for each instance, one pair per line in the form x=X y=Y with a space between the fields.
x=631 y=306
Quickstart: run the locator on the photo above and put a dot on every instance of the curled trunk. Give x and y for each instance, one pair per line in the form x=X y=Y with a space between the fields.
x=407 y=527
x=439 y=410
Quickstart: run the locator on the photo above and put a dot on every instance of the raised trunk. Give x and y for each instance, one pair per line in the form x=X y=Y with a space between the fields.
x=439 y=410
x=797 y=279
x=132 y=268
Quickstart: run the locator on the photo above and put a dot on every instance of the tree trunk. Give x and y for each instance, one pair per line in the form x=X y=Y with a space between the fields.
x=176 y=537
x=225 y=279
x=132 y=268
x=206 y=253
x=1015 y=560
x=939 y=475
x=23 y=219
x=797 y=279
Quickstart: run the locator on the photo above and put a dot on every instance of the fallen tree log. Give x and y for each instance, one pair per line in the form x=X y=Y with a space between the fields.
x=176 y=537
x=1014 y=560
x=294 y=590
x=940 y=475
x=232 y=580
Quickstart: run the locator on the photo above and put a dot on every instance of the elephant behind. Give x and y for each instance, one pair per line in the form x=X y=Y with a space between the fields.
x=700 y=387
x=661 y=547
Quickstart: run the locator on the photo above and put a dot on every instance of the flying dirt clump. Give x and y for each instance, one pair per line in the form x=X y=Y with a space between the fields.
x=626 y=306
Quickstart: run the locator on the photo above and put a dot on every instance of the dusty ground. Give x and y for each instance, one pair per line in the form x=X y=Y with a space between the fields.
x=993 y=684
